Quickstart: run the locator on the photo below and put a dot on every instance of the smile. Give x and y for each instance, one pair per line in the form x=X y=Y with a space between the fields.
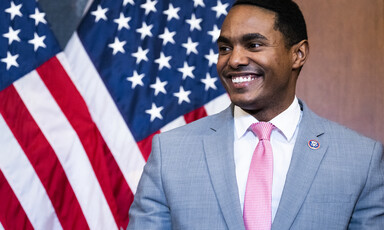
x=242 y=79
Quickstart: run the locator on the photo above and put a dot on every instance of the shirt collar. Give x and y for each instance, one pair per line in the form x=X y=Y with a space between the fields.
x=286 y=122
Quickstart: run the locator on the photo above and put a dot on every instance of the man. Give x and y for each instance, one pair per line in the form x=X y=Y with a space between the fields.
x=324 y=176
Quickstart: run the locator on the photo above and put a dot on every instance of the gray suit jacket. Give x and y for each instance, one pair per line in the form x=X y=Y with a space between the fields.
x=189 y=181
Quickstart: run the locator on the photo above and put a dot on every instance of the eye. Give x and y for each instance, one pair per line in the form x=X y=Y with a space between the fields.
x=224 y=49
x=254 y=45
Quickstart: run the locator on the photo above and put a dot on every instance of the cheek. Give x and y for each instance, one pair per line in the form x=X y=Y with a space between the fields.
x=221 y=61
x=283 y=60
x=276 y=67
x=267 y=60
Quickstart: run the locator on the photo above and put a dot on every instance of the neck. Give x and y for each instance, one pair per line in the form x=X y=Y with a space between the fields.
x=268 y=113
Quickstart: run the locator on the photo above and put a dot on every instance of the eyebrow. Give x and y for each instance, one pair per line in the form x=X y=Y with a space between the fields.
x=253 y=36
x=245 y=38
x=222 y=39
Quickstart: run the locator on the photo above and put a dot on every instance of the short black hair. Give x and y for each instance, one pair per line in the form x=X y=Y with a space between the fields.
x=289 y=18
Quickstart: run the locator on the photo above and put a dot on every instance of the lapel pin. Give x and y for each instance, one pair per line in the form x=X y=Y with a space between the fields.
x=313 y=144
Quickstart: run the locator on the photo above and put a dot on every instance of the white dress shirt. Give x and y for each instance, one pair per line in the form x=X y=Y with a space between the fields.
x=283 y=139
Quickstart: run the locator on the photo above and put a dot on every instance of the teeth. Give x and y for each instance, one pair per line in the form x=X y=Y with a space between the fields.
x=242 y=79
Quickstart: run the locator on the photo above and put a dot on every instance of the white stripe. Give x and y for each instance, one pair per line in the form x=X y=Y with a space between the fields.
x=24 y=182
x=174 y=124
x=1 y=226
x=104 y=111
x=68 y=149
x=218 y=104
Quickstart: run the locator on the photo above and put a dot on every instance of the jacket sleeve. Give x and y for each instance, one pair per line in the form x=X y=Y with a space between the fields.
x=149 y=209
x=369 y=209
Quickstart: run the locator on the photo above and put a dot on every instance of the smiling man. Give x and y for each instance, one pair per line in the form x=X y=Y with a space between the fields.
x=257 y=64
x=267 y=161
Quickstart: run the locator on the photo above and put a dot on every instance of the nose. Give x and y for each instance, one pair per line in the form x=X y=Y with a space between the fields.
x=238 y=58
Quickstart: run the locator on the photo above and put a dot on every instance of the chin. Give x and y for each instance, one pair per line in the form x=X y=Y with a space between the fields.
x=246 y=104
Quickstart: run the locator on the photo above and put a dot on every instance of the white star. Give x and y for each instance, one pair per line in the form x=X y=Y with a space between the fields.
x=136 y=79
x=38 y=17
x=159 y=86
x=211 y=57
x=194 y=22
x=100 y=13
x=190 y=46
x=117 y=46
x=145 y=30
x=149 y=6
x=37 y=41
x=122 y=22
x=12 y=35
x=10 y=60
x=215 y=33
x=141 y=55
x=155 y=112
x=167 y=37
x=187 y=71
x=182 y=95
x=128 y=1
x=220 y=9
x=14 y=10
x=172 y=12
x=209 y=82
x=197 y=3
x=163 y=61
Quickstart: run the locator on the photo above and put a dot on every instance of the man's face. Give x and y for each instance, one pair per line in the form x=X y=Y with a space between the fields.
x=254 y=64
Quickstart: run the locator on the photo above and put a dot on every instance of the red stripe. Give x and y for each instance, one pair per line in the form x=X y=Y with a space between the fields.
x=12 y=214
x=111 y=179
x=145 y=145
x=195 y=115
x=43 y=159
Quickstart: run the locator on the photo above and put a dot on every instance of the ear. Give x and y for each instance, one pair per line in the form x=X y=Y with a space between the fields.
x=300 y=54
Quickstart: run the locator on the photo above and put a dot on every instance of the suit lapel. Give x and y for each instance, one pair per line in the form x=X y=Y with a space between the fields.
x=302 y=171
x=218 y=146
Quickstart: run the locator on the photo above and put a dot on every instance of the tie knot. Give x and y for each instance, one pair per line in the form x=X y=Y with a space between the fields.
x=262 y=130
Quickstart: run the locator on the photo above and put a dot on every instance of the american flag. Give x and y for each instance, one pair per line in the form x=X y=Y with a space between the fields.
x=76 y=126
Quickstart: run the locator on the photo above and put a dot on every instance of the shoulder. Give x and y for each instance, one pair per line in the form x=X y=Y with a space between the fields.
x=185 y=144
x=337 y=134
x=190 y=138
x=202 y=126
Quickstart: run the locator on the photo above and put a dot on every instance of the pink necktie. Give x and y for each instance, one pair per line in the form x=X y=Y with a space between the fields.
x=258 y=193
